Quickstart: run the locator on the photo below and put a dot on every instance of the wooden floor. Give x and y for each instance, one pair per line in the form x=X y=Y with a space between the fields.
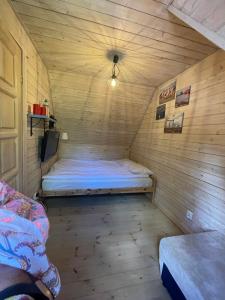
x=106 y=247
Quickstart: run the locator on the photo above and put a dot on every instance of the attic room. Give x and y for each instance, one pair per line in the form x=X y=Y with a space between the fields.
x=112 y=149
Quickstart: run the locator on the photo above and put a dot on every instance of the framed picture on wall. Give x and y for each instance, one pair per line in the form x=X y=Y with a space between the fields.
x=160 y=112
x=174 y=123
x=183 y=97
x=167 y=93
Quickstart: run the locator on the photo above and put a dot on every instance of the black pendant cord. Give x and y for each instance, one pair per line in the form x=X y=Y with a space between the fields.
x=115 y=66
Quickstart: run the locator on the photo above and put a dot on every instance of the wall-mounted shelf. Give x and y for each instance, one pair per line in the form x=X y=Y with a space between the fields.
x=39 y=117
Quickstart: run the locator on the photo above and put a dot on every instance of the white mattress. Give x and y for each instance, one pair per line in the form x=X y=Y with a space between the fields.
x=197 y=263
x=68 y=174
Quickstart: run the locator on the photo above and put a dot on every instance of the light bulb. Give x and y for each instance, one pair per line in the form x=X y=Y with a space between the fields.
x=113 y=82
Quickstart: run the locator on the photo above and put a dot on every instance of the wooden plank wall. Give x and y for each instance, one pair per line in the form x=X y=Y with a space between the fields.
x=190 y=167
x=101 y=122
x=35 y=88
x=92 y=151
x=38 y=88
x=207 y=17
x=76 y=40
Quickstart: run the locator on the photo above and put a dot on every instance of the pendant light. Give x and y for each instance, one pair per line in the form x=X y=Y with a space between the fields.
x=115 y=72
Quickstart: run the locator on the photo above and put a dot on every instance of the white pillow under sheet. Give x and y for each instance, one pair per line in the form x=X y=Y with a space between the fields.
x=134 y=167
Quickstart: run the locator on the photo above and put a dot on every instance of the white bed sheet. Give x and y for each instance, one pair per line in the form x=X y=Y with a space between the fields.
x=197 y=263
x=68 y=174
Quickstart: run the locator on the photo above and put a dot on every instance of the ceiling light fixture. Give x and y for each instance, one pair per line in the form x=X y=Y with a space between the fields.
x=115 y=72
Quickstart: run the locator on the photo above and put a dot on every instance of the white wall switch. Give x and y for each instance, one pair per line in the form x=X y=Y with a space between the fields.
x=189 y=215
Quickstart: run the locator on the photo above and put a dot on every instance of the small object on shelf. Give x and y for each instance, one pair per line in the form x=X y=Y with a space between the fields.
x=46 y=107
x=36 y=109
x=43 y=111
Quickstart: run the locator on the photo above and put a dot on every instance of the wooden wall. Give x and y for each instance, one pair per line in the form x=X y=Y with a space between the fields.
x=35 y=88
x=77 y=39
x=92 y=151
x=206 y=17
x=38 y=88
x=190 y=167
x=101 y=122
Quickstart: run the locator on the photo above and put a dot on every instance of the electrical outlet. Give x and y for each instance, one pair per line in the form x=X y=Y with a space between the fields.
x=189 y=215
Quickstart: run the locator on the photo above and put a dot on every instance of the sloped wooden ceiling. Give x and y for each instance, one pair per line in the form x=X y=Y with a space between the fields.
x=207 y=17
x=77 y=39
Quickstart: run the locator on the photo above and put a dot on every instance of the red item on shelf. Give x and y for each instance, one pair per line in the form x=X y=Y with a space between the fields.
x=43 y=111
x=36 y=109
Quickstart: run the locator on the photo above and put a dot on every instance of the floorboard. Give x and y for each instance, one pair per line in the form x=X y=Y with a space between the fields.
x=106 y=247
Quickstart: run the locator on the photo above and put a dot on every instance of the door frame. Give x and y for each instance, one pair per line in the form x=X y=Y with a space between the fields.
x=21 y=127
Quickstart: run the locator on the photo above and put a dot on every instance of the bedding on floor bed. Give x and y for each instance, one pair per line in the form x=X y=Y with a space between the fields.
x=68 y=174
x=196 y=262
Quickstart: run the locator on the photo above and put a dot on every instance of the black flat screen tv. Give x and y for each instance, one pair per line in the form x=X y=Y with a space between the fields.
x=49 y=144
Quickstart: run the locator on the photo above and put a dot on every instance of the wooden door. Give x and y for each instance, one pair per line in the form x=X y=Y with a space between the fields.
x=11 y=120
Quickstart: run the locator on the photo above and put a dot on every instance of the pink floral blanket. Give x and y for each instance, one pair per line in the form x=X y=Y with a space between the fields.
x=23 y=234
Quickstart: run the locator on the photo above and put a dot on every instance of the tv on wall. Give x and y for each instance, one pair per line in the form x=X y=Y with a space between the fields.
x=49 y=144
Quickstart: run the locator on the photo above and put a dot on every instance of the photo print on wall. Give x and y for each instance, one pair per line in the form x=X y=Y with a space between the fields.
x=167 y=93
x=160 y=112
x=174 y=123
x=183 y=97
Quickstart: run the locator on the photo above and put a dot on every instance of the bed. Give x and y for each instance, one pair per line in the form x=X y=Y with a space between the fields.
x=69 y=177
x=193 y=266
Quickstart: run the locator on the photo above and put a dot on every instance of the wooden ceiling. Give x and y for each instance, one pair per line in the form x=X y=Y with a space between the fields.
x=77 y=39
x=79 y=35
x=207 y=17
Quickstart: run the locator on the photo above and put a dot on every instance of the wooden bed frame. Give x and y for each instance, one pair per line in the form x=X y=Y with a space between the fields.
x=80 y=192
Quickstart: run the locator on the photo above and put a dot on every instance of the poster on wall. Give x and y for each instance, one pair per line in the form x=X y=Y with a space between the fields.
x=183 y=96
x=174 y=123
x=160 y=112
x=168 y=93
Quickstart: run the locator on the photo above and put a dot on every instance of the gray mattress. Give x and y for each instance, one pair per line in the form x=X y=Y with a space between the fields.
x=197 y=263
